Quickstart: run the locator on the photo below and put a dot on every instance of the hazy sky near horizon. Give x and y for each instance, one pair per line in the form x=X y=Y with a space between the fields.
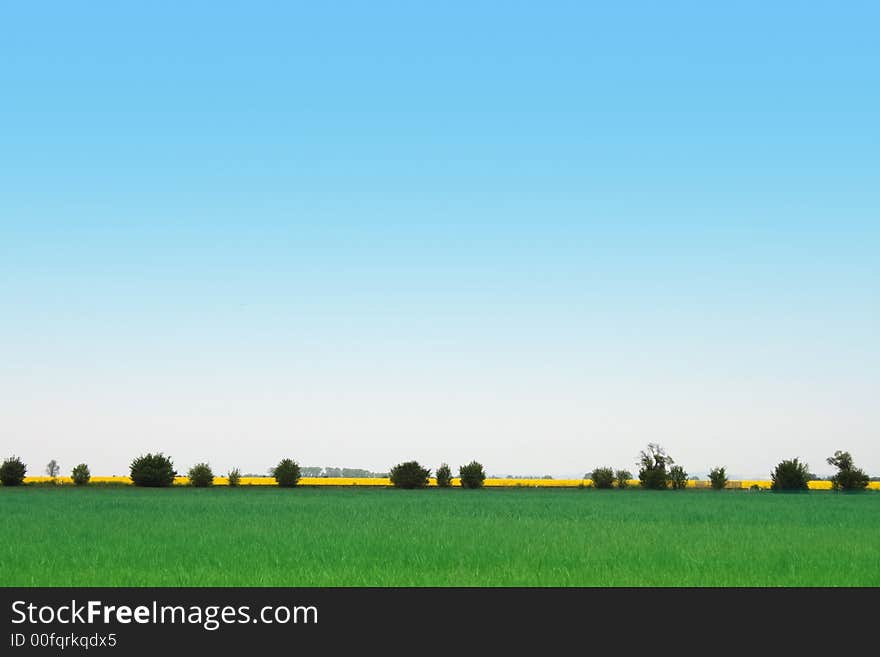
x=539 y=235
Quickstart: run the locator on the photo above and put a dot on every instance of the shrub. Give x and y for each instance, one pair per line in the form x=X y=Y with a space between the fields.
x=848 y=476
x=286 y=473
x=622 y=477
x=201 y=475
x=80 y=475
x=444 y=476
x=234 y=477
x=790 y=475
x=472 y=475
x=850 y=480
x=409 y=475
x=12 y=472
x=678 y=477
x=652 y=463
x=603 y=477
x=152 y=470
x=718 y=478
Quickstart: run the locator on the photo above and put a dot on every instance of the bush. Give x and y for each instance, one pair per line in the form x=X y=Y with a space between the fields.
x=152 y=470
x=286 y=473
x=622 y=477
x=444 y=476
x=12 y=472
x=848 y=477
x=678 y=477
x=603 y=477
x=718 y=478
x=234 y=477
x=653 y=462
x=80 y=475
x=790 y=475
x=850 y=480
x=472 y=475
x=409 y=475
x=201 y=475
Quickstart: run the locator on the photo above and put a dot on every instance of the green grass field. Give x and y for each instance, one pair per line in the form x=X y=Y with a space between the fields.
x=360 y=537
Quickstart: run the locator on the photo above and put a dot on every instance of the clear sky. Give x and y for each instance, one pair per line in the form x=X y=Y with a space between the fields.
x=538 y=235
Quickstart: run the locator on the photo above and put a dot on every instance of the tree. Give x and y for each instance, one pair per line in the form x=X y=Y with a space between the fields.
x=12 y=471
x=409 y=475
x=848 y=477
x=678 y=477
x=718 y=478
x=201 y=475
x=472 y=475
x=444 y=476
x=623 y=477
x=152 y=470
x=286 y=473
x=80 y=475
x=52 y=468
x=790 y=475
x=652 y=467
x=841 y=460
x=602 y=478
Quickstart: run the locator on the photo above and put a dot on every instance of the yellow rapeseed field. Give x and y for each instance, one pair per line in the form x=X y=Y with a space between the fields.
x=384 y=481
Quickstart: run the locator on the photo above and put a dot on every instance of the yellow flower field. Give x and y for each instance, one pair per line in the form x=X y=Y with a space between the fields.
x=383 y=481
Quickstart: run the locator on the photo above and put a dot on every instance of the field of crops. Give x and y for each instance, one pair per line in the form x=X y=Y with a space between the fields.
x=265 y=536
x=385 y=482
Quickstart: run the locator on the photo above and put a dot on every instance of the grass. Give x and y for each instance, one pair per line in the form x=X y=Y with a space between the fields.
x=62 y=536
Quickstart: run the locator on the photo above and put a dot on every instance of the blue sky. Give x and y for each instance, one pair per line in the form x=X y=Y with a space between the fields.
x=354 y=233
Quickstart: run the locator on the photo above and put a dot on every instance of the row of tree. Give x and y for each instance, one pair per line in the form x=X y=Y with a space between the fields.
x=356 y=473
x=657 y=471
x=157 y=470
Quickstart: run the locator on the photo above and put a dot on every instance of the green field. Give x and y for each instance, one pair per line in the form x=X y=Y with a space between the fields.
x=367 y=537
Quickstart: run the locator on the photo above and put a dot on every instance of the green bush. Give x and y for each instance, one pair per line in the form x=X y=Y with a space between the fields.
x=603 y=477
x=152 y=470
x=850 y=480
x=409 y=475
x=848 y=477
x=653 y=462
x=472 y=475
x=622 y=477
x=790 y=475
x=678 y=477
x=286 y=473
x=234 y=477
x=444 y=476
x=201 y=475
x=12 y=472
x=718 y=478
x=80 y=475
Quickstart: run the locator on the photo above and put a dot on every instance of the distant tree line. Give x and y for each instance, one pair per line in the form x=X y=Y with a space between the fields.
x=355 y=473
x=531 y=476
x=657 y=471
